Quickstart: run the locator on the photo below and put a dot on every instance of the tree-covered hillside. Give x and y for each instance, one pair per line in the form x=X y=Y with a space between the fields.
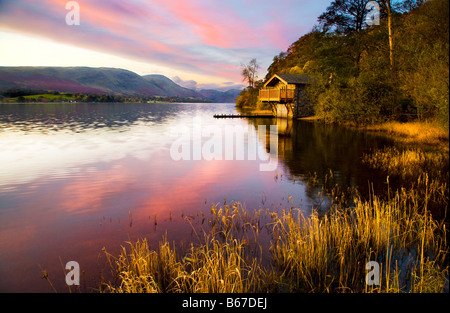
x=365 y=75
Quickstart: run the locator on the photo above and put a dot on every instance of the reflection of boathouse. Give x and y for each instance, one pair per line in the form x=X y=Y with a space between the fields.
x=286 y=94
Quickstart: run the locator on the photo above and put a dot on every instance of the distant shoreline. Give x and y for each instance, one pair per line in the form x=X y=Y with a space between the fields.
x=103 y=102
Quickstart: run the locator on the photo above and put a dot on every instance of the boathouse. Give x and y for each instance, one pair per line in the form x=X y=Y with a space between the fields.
x=287 y=96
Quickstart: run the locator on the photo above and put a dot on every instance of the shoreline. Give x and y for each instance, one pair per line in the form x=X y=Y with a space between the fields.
x=427 y=133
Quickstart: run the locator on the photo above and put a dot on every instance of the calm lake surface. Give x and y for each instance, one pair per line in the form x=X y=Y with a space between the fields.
x=75 y=178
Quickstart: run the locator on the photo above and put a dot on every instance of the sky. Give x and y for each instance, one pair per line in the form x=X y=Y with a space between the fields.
x=196 y=43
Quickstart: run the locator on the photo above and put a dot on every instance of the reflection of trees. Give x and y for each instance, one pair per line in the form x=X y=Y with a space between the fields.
x=306 y=148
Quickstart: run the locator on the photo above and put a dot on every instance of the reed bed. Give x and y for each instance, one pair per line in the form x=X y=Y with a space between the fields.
x=218 y=263
x=423 y=171
x=409 y=163
x=329 y=253
x=213 y=267
x=311 y=253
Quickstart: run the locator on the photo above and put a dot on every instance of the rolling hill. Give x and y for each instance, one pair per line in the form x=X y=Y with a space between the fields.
x=169 y=88
x=110 y=81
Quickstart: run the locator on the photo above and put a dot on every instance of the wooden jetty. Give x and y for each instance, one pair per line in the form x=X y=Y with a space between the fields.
x=243 y=116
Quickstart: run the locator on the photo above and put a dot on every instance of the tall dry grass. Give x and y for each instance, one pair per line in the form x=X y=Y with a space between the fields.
x=421 y=164
x=328 y=254
x=218 y=263
x=213 y=267
x=307 y=253
x=408 y=163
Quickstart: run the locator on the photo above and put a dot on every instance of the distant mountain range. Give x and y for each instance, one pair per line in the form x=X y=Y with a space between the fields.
x=110 y=81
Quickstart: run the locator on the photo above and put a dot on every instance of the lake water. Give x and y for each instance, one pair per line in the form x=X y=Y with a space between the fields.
x=75 y=178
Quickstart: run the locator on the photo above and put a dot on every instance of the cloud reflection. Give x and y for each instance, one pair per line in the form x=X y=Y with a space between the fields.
x=64 y=153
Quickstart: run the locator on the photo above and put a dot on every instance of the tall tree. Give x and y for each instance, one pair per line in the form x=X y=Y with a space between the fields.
x=407 y=6
x=388 y=8
x=344 y=16
x=347 y=17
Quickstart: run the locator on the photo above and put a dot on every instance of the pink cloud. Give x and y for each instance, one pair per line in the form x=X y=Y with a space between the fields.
x=206 y=37
x=215 y=24
x=100 y=30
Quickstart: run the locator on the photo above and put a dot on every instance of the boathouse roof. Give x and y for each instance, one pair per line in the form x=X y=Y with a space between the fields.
x=288 y=79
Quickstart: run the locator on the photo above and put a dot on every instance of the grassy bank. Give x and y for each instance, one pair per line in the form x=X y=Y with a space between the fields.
x=427 y=133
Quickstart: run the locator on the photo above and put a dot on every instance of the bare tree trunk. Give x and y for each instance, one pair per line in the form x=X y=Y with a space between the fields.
x=391 y=41
x=391 y=59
